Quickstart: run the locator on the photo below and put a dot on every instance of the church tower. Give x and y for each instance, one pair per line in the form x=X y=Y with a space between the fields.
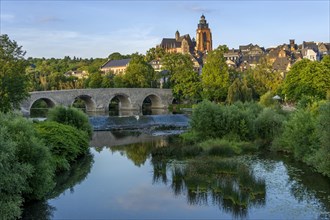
x=203 y=36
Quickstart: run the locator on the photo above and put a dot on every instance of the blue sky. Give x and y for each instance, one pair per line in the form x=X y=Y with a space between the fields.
x=87 y=29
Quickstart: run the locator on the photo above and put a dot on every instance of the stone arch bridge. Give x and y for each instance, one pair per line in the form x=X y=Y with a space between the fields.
x=99 y=99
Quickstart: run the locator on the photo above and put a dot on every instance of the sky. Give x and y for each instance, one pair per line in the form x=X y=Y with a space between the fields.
x=86 y=29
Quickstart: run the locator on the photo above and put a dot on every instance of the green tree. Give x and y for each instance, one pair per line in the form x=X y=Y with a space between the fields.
x=118 y=56
x=95 y=80
x=118 y=81
x=154 y=53
x=185 y=81
x=239 y=91
x=263 y=78
x=307 y=78
x=215 y=76
x=108 y=80
x=13 y=80
x=139 y=73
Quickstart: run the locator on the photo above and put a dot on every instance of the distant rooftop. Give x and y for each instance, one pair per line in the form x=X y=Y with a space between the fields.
x=116 y=63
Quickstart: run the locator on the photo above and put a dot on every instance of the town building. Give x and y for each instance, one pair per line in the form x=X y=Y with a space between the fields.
x=77 y=73
x=115 y=66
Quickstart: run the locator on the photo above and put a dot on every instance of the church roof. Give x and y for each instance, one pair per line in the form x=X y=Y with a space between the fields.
x=170 y=43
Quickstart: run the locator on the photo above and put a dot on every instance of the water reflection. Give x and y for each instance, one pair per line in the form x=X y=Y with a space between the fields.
x=302 y=178
x=206 y=181
x=140 y=176
x=66 y=180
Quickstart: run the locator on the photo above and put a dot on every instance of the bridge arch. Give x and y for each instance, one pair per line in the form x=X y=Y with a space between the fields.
x=124 y=101
x=156 y=101
x=49 y=101
x=89 y=102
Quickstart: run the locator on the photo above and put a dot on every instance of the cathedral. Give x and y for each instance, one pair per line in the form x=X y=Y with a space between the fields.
x=184 y=44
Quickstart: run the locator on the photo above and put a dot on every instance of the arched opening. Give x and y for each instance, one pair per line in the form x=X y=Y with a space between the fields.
x=85 y=103
x=118 y=104
x=151 y=104
x=40 y=107
x=114 y=106
x=175 y=108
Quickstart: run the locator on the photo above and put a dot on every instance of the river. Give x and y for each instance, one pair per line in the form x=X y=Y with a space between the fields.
x=121 y=179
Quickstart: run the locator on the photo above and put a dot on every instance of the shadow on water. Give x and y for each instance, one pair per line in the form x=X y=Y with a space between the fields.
x=64 y=181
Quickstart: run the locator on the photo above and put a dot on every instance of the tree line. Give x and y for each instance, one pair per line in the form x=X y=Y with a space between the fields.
x=216 y=81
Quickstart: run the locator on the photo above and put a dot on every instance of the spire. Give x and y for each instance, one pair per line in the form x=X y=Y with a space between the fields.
x=203 y=23
x=177 y=35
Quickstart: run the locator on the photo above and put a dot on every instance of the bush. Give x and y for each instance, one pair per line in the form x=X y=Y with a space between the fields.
x=210 y=120
x=266 y=100
x=298 y=135
x=224 y=147
x=71 y=116
x=32 y=151
x=269 y=124
x=26 y=171
x=13 y=177
x=321 y=159
x=65 y=142
x=220 y=147
x=190 y=137
x=202 y=120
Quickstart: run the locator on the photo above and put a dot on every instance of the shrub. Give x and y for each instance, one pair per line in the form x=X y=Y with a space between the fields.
x=321 y=159
x=269 y=124
x=65 y=142
x=267 y=100
x=298 y=135
x=210 y=120
x=224 y=147
x=190 y=137
x=202 y=120
x=31 y=151
x=26 y=171
x=13 y=177
x=71 y=116
x=220 y=147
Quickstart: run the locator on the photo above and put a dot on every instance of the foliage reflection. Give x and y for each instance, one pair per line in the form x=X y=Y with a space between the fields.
x=223 y=182
x=65 y=180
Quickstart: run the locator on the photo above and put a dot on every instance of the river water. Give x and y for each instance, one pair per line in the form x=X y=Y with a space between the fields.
x=122 y=180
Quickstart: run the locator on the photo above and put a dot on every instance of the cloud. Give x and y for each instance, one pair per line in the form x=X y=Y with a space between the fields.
x=199 y=9
x=49 y=19
x=147 y=199
x=7 y=17
x=60 y=43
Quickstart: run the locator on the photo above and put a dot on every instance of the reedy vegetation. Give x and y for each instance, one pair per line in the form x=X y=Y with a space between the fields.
x=232 y=129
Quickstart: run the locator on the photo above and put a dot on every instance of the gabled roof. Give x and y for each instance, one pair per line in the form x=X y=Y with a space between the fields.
x=281 y=63
x=251 y=59
x=116 y=63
